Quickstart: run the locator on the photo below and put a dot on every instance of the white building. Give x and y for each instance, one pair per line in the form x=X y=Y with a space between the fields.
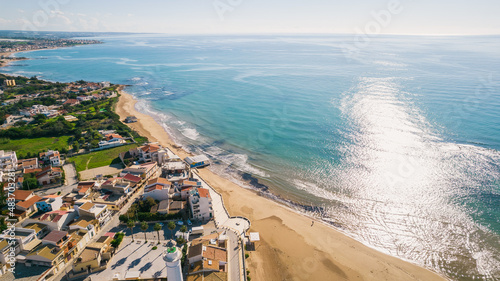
x=98 y=212
x=158 y=189
x=52 y=156
x=172 y=258
x=200 y=203
x=8 y=160
x=151 y=153
x=55 y=220
x=49 y=203
x=145 y=171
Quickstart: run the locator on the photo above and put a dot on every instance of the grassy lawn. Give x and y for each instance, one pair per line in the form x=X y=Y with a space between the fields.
x=34 y=146
x=100 y=158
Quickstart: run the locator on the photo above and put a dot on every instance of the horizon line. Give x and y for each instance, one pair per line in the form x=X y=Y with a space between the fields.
x=263 y=33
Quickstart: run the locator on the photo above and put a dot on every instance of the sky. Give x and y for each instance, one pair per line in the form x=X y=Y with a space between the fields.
x=429 y=17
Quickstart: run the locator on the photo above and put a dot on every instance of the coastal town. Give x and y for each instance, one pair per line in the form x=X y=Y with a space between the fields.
x=94 y=189
x=90 y=199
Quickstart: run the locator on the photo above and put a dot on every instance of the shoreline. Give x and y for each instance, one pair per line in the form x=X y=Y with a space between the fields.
x=291 y=247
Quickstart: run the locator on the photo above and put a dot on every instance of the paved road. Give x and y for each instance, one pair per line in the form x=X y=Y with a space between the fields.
x=233 y=254
x=71 y=182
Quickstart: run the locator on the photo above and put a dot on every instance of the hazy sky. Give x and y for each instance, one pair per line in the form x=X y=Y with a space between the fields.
x=255 y=16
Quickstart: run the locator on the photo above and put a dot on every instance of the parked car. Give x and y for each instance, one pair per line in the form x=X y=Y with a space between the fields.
x=189 y=222
x=161 y=224
x=180 y=223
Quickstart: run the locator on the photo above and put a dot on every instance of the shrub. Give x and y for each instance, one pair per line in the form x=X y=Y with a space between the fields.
x=154 y=248
x=247 y=255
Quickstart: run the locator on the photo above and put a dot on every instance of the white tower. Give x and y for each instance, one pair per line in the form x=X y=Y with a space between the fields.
x=173 y=259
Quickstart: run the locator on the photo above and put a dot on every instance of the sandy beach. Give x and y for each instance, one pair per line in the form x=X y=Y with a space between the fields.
x=291 y=248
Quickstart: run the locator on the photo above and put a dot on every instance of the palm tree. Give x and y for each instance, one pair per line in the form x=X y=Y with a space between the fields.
x=131 y=224
x=144 y=227
x=184 y=229
x=171 y=226
x=157 y=228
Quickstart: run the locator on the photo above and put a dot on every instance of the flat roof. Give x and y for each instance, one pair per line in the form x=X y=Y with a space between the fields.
x=254 y=236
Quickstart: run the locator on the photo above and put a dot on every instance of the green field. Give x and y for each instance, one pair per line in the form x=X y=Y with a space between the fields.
x=34 y=146
x=99 y=158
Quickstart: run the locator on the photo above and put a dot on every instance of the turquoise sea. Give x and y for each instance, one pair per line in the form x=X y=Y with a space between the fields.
x=396 y=144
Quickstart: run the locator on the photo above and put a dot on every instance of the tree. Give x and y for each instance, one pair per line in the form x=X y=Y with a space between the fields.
x=183 y=229
x=157 y=228
x=144 y=227
x=123 y=218
x=171 y=227
x=131 y=224
x=76 y=147
x=40 y=118
x=30 y=183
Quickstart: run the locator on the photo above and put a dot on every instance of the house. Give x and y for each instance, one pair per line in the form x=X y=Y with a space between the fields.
x=55 y=220
x=46 y=255
x=131 y=119
x=84 y=188
x=7 y=249
x=49 y=175
x=114 y=201
x=49 y=203
x=168 y=206
x=113 y=137
x=31 y=163
x=52 y=157
x=134 y=180
x=94 y=211
x=83 y=98
x=40 y=229
x=28 y=205
x=89 y=224
x=158 y=189
x=93 y=256
x=205 y=253
x=151 y=152
x=112 y=140
x=198 y=161
x=25 y=238
x=200 y=203
x=175 y=207
x=56 y=238
x=71 y=102
x=8 y=160
x=70 y=118
x=34 y=171
x=145 y=171
x=117 y=185
x=22 y=195
x=175 y=170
